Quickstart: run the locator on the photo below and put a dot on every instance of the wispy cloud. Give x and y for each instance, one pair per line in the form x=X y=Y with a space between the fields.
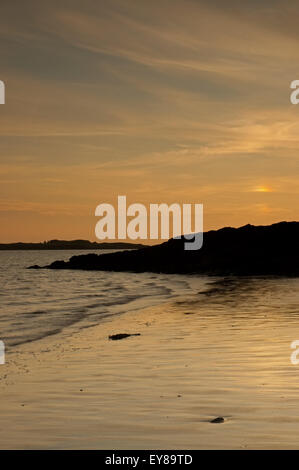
x=163 y=99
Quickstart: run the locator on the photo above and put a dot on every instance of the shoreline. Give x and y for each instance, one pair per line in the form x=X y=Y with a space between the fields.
x=158 y=390
x=36 y=366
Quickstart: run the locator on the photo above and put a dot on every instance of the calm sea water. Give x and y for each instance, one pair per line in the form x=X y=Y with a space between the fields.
x=209 y=347
x=34 y=304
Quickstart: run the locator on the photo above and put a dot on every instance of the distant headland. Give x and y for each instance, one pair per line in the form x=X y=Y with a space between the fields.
x=70 y=245
x=248 y=250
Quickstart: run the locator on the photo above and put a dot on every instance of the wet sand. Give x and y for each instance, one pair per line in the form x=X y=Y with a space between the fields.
x=161 y=389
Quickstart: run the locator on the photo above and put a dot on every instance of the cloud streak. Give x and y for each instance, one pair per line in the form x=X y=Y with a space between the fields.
x=156 y=99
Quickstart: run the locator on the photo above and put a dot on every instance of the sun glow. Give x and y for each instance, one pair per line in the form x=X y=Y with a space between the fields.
x=262 y=189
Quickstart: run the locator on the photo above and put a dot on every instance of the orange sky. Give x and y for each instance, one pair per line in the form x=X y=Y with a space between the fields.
x=163 y=101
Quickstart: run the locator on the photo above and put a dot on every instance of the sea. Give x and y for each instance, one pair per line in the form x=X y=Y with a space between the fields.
x=210 y=347
x=38 y=303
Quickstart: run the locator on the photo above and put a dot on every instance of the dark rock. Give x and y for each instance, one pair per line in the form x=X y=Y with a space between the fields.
x=217 y=420
x=244 y=251
x=122 y=336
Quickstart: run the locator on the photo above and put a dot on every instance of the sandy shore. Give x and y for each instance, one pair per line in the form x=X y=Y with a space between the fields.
x=156 y=390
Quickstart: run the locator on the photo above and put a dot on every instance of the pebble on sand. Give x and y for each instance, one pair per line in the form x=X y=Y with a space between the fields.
x=217 y=420
x=122 y=336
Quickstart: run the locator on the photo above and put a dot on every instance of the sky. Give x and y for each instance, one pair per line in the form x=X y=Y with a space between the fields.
x=184 y=101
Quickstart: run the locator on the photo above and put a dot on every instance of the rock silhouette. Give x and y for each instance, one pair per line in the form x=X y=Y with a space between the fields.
x=248 y=250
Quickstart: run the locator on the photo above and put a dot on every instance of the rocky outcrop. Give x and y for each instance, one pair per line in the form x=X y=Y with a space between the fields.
x=248 y=250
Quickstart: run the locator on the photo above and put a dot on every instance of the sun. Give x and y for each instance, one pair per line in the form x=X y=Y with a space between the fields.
x=262 y=189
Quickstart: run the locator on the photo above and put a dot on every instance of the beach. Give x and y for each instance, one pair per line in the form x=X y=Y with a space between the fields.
x=221 y=352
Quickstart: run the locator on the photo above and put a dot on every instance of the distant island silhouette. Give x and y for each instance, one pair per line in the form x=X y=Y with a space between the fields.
x=248 y=250
x=70 y=245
